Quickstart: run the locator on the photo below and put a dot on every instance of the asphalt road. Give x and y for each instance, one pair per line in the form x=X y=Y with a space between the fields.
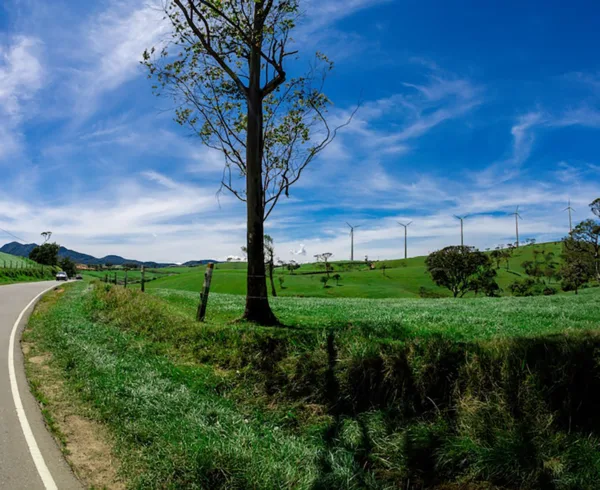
x=31 y=461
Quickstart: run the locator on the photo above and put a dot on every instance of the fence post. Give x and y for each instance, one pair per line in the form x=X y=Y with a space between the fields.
x=143 y=278
x=125 y=283
x=204 y=294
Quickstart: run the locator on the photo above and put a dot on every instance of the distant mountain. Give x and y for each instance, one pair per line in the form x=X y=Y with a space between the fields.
x=195 y=263
x=20 y=250
x=17 y=249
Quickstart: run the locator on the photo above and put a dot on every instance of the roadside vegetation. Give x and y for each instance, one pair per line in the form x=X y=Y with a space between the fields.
x=355 y=394
x=18 y=269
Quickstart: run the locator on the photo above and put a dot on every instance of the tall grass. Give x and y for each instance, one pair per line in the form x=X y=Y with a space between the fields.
x=230 y=405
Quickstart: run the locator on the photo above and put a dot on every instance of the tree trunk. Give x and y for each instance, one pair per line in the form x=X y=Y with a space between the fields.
x=257 y=303
x=271 y=267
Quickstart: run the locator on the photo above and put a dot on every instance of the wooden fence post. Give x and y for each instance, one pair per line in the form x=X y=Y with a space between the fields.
x=204 y=294
x=125 y=279
x=143 y=279
x=115 y=278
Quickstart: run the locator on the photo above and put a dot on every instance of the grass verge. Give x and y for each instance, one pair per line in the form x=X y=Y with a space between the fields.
x=331 y=406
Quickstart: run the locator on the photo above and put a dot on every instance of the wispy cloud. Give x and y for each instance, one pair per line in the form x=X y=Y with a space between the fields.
x=112 y=45
x=21 y=75
x=523 y=137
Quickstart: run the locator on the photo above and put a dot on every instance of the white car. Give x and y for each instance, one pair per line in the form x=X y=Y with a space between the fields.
x=62 y=276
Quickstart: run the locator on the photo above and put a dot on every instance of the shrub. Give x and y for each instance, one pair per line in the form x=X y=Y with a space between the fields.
x=524 y=287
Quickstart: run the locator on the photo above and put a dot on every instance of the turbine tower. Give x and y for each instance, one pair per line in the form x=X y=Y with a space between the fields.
x=517 y=218
x=352 y=228
x=462 y=228
x=405 y=237
x=570 y=209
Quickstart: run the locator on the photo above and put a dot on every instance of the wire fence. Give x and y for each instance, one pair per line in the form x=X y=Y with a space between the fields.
x=19 y=264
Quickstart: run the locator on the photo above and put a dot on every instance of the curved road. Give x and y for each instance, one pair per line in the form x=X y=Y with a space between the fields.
x=32 y=461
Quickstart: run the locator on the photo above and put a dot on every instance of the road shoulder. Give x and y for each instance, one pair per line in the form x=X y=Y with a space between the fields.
x=75 y=449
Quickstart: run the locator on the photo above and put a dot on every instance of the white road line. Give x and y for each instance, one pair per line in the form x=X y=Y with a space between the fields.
x=34 y=449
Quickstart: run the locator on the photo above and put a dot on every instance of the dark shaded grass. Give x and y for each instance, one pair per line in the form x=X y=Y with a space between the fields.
x=343 y=407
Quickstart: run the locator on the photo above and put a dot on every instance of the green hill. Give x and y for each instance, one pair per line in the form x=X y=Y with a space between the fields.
x=391 y=278
x=19 y=269
x=12 y=261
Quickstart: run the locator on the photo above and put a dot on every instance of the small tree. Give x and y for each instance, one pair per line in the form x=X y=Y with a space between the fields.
x=507 y=253
x=575 y=273
x=68 y=266
x=324 y=280
x=584 y=241
x=337 y=279
x=270 y=261
x=485 y=282
x=323 y=261
x=46 y=254
x=292 y=266
x=497 y=255
x=460 y=269
x=525 y=287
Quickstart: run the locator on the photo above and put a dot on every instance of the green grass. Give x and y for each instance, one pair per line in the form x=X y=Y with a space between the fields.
x=461 y=319
x=354 y=394
x=133 y=276
x=17 y=262
x=172 y=427
x=19 y=269
x=402 y=279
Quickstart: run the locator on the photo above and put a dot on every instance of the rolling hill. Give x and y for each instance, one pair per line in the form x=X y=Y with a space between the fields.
x=398 y=279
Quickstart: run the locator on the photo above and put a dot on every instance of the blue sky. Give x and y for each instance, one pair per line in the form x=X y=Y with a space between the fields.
x=467 y=108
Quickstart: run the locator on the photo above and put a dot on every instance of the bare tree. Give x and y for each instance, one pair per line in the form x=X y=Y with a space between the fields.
x=270 y=261
x=226 y=69
x=324 y=258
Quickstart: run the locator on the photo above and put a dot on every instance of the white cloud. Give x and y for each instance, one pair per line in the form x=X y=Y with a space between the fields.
x=523 y=138
x=301 y=250
x=112 y=45
x=20 y=74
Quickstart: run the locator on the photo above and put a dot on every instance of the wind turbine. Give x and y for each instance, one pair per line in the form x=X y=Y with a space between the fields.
x=570 y=209
x=352 y=228
x=517 y=218
x=462 y=228
x=405 y=237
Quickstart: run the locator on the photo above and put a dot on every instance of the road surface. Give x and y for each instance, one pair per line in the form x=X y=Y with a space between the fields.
x=29 y=456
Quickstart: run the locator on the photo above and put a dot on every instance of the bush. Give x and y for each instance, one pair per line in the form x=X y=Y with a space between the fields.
x=525 y=287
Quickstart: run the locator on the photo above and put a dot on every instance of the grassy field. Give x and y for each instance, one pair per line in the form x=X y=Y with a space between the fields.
x=462 y=320
x=400 y=279
x=133 y=276
x=488 y=393
x=18 y=269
